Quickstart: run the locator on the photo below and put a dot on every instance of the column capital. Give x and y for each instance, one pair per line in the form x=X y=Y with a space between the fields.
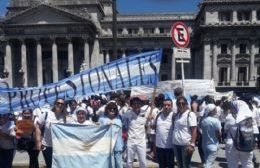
x=21 y=39
x=206 y=40
x=68 y=38
x=85 y=38
x=53 y=38
x=253 y=40
x=37 y=39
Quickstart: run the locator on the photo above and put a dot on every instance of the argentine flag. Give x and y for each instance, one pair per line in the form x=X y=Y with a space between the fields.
x=81 y=146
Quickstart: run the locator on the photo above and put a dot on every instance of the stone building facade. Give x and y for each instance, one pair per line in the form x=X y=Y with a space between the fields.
x=45 y=41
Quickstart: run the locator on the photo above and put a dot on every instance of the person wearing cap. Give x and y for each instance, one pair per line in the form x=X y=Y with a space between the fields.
x=82 y=116
x=211 y=134
x=136 y=119
x=111 y=116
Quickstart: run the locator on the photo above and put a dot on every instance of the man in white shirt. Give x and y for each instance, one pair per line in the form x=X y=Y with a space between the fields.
x=136 y=120
x=164 y=129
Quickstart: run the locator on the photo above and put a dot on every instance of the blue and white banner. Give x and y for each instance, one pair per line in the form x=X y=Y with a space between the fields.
x=81 y=146
x=141 y=69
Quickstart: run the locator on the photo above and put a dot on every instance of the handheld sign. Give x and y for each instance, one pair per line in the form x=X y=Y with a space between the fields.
x=24 y=127
x=180 y=35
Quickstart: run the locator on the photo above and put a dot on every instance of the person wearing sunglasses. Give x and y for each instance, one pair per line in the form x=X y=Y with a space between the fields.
x=56 y=115
x=184 y=133
x=111 y=116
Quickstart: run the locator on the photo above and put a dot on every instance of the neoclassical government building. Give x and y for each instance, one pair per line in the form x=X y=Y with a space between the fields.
x=43 y=41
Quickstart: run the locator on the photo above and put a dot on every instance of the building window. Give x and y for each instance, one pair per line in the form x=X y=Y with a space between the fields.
x=258 y=76
x=119 y=31
x=223 y=71
x=132 y=31
x=242 y=74
x=161 y=30
x=165 y=59
x=223 y=48
x=242 y=48
x=148 y=30
x=164 y=77
x=243 y=15
x=225 y=16
x=258 y=15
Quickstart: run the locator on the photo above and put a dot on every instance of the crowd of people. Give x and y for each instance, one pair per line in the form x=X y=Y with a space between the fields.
x=170 y=128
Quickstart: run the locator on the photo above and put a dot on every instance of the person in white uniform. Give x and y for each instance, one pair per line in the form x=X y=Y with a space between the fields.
x=239 y=112
x=136 y=120
x=163 y=134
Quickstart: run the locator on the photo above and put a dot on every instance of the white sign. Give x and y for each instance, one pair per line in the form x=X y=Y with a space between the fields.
x=183 y=53
x=199 y=87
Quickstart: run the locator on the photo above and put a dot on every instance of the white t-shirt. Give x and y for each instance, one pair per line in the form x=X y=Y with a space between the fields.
x=256 y=112
x=51 y=118
x=136 y=125
x=182 y=124
x=164 y=131
x=123 y=110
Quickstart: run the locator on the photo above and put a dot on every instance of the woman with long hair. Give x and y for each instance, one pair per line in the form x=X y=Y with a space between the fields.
x=111 y=116
x=56 y=115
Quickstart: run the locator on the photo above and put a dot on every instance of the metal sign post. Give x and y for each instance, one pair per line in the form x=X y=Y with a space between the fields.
x=181 y=37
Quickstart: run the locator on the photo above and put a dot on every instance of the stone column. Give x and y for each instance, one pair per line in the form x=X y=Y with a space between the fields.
x=254 y=16
x=70 y=57
x=233 y=64
x=234 y=16
x=173 y=66
x=86 y=53
x=214 y=62
x=252 y=65
x=228 y=75
x=206 y=60
x=95 y=56
x=39 y=63
x=107 y=56
x=123 y=54
x=8 y=64
x=55 y=76
x=23 y=69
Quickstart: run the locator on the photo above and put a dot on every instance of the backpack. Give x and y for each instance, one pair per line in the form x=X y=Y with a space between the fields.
x=244 y=138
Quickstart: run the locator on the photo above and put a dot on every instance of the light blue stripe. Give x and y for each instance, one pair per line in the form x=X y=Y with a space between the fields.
x=83 y=133
x=153 y=57
x=85 y=161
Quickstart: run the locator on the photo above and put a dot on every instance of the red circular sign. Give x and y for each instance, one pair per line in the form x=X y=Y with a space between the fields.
x=180 y=35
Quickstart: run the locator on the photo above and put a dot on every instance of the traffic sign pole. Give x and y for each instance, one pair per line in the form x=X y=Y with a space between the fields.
x=182 y=73
x=181 y=38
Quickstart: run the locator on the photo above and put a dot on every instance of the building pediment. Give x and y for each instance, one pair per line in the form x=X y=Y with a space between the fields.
x=45 y=14
x=224 y=60
x=242 y=60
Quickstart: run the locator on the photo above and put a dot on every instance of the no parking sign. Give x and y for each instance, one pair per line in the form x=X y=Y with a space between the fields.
x=180 y=35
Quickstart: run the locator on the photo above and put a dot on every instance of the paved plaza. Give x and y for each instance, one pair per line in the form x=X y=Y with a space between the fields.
x=21 y=160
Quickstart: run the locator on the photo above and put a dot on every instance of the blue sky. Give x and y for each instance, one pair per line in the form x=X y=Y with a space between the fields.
x=143 y=6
